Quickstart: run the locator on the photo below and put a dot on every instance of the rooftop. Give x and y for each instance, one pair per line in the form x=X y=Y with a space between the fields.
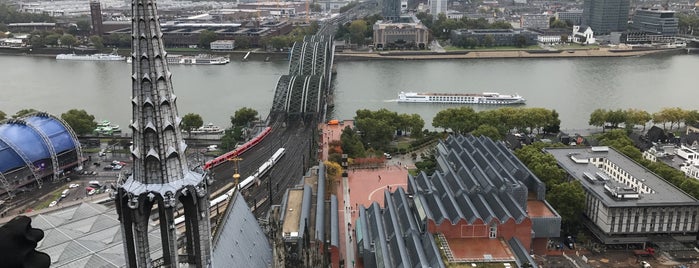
x=578 y=163
x=292 y=215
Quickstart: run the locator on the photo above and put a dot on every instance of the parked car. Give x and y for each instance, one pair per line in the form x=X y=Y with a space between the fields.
x=65 y=193
x=74 y=185
x=117 y=167
x=53 y=203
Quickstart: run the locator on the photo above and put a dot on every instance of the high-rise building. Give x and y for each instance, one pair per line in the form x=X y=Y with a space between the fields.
x=161 y=176
x=655 y=21
x=96 y=17
x=438 y=6
x=573 y=16
x=534 y=21
x=606 y=16
x=390 y=9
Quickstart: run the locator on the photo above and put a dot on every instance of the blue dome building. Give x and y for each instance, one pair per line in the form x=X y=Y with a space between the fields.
x=36 y=147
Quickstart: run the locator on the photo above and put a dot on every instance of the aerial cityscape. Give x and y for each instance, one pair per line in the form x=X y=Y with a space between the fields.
x=389 y=133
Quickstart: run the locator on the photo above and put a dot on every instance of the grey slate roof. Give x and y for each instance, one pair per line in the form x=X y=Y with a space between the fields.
x=240 y=241
x=390 y=237
x=476 y=178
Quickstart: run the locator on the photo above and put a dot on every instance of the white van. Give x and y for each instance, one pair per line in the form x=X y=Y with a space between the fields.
x=65 y=193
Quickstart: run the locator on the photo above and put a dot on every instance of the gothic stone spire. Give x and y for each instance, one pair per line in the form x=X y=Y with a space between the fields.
x=160 y=173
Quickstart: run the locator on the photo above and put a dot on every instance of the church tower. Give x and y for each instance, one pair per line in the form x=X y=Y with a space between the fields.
x=160 y=176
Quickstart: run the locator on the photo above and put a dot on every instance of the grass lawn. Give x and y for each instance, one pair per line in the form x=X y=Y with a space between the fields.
x=53 y=196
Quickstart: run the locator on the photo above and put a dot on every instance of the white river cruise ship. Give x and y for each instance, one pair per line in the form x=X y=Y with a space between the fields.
x=485 y=98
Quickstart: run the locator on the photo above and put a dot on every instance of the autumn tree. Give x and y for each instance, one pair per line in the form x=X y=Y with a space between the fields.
x=333 y=172
x=357 y=30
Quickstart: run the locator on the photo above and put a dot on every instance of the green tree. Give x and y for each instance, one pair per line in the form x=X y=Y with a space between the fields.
x=80 y=121
x=206 y=37
x=488 y=131
x=24 y=112
x=352 y=143
x=564 y=38
x=242 y=42
x=598 y=117
x=460 y=120
x=616 y=117
x=52 y=39
x=637 y=117
x=357 y=30
x=244 y=116
x=37 y=41
x=84 y=27
x=279 y=42
x=68 y=40
x=521 y=41
x=692 y=118
x=97 y=41
x=191 y=121
x=488 y=40
x=568 y=199
x=231 y=137
x=3 y=115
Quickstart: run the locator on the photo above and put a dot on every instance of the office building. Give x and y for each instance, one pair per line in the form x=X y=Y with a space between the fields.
x=654 y=21
x=626 y=203
x=534 y=21
x=499 y=37
x=390 y=9
x=409 y=33
x=437 y=7
x=572 y=17
x=606 y=16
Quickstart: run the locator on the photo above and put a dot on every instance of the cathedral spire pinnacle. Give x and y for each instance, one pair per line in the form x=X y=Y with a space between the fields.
x=160 y=172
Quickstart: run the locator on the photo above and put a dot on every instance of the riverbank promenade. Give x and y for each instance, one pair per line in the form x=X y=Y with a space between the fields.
x=495 y=54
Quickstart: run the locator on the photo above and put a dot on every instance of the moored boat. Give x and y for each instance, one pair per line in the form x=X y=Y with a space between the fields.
x=461 y=98
x=201 y=59
x=91 y=57
x=106 y=128
x=209 y=128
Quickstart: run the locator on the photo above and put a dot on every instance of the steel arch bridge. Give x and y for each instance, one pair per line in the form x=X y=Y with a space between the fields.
x=303 y=91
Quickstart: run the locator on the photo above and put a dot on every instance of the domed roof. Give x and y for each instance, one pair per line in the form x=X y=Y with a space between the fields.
x=24 y=138
x=55 y=131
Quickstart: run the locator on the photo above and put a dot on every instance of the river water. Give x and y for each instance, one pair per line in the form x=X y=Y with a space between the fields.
x=572 y=86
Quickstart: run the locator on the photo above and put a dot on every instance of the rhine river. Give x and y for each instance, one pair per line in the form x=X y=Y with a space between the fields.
x=574 y=87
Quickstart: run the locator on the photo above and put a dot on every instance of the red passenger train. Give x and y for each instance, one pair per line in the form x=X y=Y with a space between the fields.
x=238 y=151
